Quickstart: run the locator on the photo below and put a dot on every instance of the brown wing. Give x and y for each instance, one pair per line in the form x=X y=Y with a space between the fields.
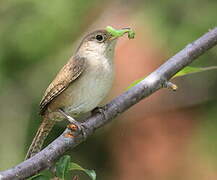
x=71 y=71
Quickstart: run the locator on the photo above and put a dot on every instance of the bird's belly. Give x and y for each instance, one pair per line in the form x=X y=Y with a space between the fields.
x=88 y=91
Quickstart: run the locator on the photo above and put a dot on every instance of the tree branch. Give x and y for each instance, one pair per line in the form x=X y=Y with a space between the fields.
x=149 y=85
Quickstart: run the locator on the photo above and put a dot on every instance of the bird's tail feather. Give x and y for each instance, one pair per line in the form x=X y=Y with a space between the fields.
x=43 y=131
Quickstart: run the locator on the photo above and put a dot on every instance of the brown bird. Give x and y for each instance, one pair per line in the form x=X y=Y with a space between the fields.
x=79 y=86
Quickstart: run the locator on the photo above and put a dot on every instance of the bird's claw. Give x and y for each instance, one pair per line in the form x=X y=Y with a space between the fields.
x=72 y=127
x=75 y=127
x=75 y=130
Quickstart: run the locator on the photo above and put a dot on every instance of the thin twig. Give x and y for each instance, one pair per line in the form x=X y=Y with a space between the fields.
x=149 y=85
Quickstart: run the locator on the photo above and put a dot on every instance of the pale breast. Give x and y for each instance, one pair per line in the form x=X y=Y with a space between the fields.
x=90 y=89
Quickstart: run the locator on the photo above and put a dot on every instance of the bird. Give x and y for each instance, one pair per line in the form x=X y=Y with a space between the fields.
x=81 y=84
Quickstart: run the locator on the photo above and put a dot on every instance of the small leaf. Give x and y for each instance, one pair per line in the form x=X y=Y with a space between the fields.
x=90 y=173
x=135 y=83
x=189 y=70
x=62 y=166
x=39 y=177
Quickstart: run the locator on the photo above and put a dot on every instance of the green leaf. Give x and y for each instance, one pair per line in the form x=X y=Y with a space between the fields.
x=135 y=83
x=186 y=71
x=90 y=173
x=62 y=166
x=39 y=177
x=190 y=70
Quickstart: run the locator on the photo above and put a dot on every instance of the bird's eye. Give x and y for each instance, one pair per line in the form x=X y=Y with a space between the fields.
x=99 y=37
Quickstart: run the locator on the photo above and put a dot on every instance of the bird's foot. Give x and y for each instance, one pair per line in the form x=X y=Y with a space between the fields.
x=69 y=135
x=75 y=127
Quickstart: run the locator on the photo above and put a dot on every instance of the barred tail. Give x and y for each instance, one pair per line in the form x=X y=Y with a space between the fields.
x=43 y=131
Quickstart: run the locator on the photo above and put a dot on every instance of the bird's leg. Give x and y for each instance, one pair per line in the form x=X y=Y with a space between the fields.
x=74 y=125
x=72 y=121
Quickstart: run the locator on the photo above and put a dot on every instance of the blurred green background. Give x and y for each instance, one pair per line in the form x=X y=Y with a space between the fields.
x=37 y=38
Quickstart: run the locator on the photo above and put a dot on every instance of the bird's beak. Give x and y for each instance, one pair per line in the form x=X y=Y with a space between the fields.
x=118 y=33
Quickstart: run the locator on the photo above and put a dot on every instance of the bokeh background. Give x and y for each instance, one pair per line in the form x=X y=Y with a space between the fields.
x=170 y=135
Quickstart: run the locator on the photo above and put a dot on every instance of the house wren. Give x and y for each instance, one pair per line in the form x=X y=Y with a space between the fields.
x=81 y=84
